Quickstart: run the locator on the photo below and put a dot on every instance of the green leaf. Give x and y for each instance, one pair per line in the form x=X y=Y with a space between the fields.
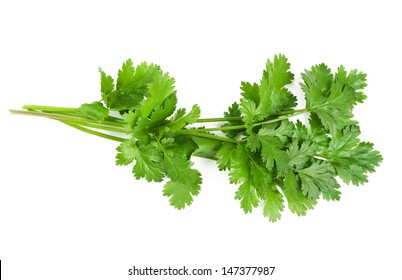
x=125 y=96
x=240 y=174
x=356 y=80
x=300 y=155
x=120 y=101
x=159 y=89
x=251 y=92
x=278 y=72
x=300 y=133
x=333 y=194
x=179 y=169
x=107 y=84
x=144 y=74
x=181 y=119
x=274 y=97
x=317 y=132
x=253 y=142
x=206 y=147
x=247 y=170
x=226 y=155
x=344 y=141
x=148 y=164
x=262 y=179
x=130 y=120
x=148 y=160
x=181 y=193
x=272 y=153
x=162 y=111
x=351 y=158
x=273 y=142
x=141 y=130
x=336 y=112
x=333 y=104
x=283 y=132
x=126 y=152
x=298 y=203
x=132 y=80
x=249 y=110
x=233 y=111
x=181 y=146
x=125 y=76
x=185 y=181
x=95 y=111
x=316 y=179
x=131 y=85
x=273 y=205
x=239 y=165
x=247 y=195
x=317 y=84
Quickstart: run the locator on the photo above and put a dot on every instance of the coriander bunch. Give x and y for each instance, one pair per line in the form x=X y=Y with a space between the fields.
x=273 y=160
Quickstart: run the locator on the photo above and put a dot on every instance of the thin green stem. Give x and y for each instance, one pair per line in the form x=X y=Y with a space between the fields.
x=226 y=119
x=52 y=109
x=218 y=119
x=93 y=132
x=211 y=157
x=115 y=119
x=283 y=116
x=100 y=126
x=205 y=135
x=62 y=117
x=291 y=112
x=64 y=111
x=222 y=128
x=72 y=117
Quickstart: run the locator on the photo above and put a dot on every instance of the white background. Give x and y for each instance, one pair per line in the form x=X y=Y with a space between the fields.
x=66 y=210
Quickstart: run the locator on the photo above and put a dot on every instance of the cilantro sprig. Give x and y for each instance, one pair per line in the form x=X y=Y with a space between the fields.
x=273 y=160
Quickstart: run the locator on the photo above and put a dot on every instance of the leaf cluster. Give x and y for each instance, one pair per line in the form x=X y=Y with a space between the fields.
x=273 y=160
x=146 y=98
x=277 y=160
